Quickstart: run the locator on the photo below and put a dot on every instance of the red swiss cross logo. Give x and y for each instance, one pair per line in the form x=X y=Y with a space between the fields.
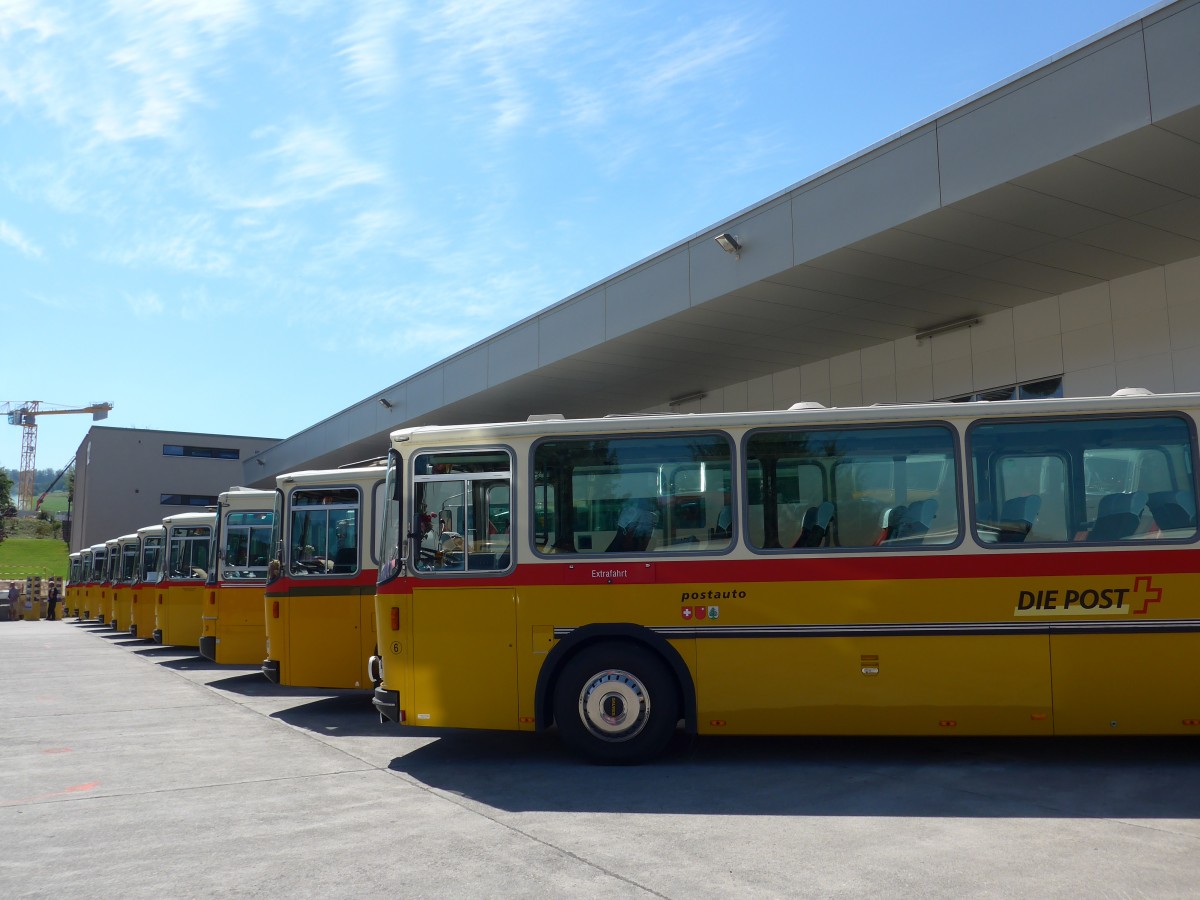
x=1143 y=590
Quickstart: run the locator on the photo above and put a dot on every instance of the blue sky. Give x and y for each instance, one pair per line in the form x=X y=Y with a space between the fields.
x=242 y=217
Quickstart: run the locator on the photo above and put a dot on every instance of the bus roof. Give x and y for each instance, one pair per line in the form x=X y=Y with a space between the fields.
x=247 y=498
x=196 y=518
x=355 y=475
x=151 y=530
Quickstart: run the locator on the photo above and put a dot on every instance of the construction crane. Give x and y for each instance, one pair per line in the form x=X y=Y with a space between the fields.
x=26 y=413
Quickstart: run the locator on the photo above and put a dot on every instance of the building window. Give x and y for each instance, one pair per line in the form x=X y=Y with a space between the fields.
x=201 y=452
x=187 y=500
x=1040 y=389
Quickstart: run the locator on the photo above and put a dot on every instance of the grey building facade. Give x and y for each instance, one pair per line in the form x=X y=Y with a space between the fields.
x=126 y=478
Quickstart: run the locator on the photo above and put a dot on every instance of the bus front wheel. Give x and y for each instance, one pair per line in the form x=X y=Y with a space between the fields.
x=616 y=703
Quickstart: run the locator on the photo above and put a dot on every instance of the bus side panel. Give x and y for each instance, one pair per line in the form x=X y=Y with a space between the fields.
x=275 y=615
x=122 y=606
x=324 y=641
x=142 y=611
x=369 y=645
x=875 y=685
x=183 y=603
x=464 y=658
x=236 y=621
x=1126 y=683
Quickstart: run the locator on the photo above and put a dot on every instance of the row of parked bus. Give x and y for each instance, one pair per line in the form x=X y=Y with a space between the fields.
x=214 y=580
x=1019 y=567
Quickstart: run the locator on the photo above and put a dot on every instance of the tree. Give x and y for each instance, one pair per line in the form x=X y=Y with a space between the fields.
x=7 y=509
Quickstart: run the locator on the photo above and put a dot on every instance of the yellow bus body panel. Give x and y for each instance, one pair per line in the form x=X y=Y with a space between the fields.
x=1127 y=683
x=179 y=614
x=324 y=640
x=476 y=624
x=233 y=616
x=960 y=663
x=141 y=616
x=122 y=606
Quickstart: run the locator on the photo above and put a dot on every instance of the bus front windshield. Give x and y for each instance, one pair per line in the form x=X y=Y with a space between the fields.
x=389 y=540
x=275 y=566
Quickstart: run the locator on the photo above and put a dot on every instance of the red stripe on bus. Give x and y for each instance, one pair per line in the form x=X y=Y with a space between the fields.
x=797 y=568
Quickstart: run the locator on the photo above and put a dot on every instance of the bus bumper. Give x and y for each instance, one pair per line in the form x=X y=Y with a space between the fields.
x=208 y=648
x=270 y=668
x=388 y=704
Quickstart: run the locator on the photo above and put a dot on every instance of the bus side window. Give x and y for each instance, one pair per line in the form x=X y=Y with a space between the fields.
x=1079 y=480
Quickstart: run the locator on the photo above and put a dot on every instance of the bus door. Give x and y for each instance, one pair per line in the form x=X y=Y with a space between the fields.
x=464 y=651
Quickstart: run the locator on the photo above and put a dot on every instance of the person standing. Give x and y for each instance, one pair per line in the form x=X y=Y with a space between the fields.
x=51 y=600
x=14 y=597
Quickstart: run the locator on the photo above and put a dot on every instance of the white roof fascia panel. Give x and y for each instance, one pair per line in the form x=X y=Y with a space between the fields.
x=465 y=374
x=766 y=240
x=1073 y=106
x=655 y=291
x=570 y=328
x=512 y=353
x=890 y=188
x=1173 y=62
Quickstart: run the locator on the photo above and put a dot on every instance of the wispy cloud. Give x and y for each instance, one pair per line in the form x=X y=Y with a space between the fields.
x=494 y=50
x=368 y=47
x=28 y=16
x=306 y=163
x=194 y=244
x=168 y=43
x=696 y=55
x=11 y=236
x=131 y=72
x=144 y=305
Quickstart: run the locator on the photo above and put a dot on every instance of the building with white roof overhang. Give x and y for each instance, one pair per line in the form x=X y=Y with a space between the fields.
x=1046 y=228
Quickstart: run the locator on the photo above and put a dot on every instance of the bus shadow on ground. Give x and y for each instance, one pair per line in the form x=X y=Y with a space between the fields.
x=1038 y=778
x=253 y=683
x=344 y=713
x=189 y=663
x=155 y=650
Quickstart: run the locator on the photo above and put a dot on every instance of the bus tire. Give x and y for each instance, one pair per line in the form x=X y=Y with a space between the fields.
x=616 y=703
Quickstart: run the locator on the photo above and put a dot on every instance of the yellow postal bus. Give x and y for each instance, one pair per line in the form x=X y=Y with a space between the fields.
x=232 y=626
x=123 y=555
x=145 y=597
x=320 y=613
x=1026 y=567
x=83 y=595
x=98 y=595
x=112 y=565
x=74 y=579
x=184 y=568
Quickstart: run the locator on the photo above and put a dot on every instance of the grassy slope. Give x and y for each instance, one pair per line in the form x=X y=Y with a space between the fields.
x=20 y=557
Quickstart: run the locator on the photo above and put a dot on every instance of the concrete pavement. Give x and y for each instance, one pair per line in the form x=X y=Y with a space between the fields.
x=132 y=770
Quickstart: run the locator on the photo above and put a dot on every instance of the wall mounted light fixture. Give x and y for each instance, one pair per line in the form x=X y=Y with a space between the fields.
x=935 y=330
x=729 y=243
